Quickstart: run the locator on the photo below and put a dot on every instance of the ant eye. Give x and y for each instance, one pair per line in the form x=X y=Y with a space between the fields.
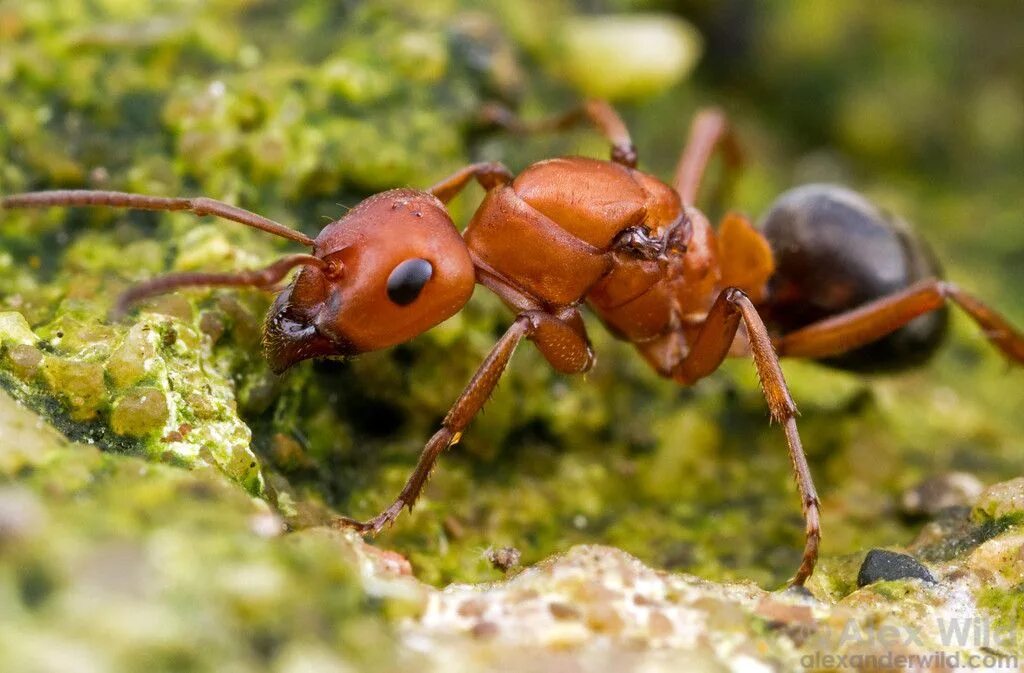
x=407 y=280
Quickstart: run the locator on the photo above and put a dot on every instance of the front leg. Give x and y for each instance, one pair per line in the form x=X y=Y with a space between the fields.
x=477 y=391
x=489 y=174
x=597 y=112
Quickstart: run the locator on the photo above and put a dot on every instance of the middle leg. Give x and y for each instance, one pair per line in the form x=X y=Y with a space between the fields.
x=709 y=131
x=707 y=351
x=489 y=174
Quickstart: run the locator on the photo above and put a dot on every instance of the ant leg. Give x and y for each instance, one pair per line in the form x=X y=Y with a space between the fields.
x=199 y=206
x=560 y=337
x=477 y=391
x=546 y=329
x=598 y=112
x=562 y=340
x=861 y=326
x=709 y=349
x=489 y=174
x=709 y=130
x=264 y=278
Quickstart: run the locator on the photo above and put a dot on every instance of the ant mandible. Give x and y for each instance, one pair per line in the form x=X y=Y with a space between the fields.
x=827 y=276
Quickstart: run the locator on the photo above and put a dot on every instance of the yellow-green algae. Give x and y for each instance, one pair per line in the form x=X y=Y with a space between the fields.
x=298 y=110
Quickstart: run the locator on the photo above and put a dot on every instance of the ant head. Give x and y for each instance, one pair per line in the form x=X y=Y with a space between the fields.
x=394 y=267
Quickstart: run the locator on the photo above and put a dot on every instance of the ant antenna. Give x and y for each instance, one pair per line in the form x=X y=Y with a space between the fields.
x=199 y=206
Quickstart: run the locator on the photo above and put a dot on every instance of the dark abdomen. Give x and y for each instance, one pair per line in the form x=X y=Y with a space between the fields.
x=834 y=251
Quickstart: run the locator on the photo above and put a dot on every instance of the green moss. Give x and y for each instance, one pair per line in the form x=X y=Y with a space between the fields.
x=894 y=590
x=1007 y=608
x=116 y=562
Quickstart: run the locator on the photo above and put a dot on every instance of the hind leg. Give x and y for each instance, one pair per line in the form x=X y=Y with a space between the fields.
x=868 y=323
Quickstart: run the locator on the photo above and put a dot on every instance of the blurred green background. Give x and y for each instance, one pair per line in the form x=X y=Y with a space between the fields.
x=299 y=109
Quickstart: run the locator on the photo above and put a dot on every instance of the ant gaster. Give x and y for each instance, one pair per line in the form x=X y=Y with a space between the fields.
x=827 y=276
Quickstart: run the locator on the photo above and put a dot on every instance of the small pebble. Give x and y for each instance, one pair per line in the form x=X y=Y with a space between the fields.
x=79 y=383
x=881 y=564
x=484 y=630
x=563 y=611
x=266 y=525
x=798 y=590
x=503 y=558
x=212 y=325
x=25 y=360
x=953 y=489
x=779 y=613
x=659 y=625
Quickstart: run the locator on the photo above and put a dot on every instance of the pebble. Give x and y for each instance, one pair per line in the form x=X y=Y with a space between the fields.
x=503 y=558
x=952 y=489
x=882 y=564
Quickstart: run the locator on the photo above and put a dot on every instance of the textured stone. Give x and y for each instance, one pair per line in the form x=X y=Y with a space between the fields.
x=140 y=412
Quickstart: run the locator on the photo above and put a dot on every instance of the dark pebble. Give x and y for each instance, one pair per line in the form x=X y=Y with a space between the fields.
x=799 y=591
x=881 y=564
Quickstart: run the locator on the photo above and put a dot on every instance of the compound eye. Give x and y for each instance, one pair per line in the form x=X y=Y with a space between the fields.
x=407 y=280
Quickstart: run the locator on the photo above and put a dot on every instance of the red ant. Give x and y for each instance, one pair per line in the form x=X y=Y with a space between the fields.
x=828 y=276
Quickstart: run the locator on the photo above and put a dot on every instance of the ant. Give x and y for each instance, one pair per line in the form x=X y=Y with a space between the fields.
x=827 y=276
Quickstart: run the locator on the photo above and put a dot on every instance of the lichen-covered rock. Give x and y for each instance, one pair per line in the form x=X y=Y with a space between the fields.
x=601 y=606
x=1001 y=500
x=146 y=386
x=112 y=563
